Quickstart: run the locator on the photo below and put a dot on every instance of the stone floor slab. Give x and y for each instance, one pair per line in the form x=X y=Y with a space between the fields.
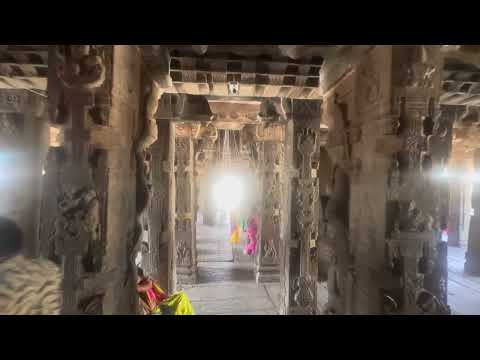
x=463 y=290
x=228 y=287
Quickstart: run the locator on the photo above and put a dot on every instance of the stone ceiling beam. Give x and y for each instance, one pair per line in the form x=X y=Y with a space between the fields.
x=301 y=51
x=23 y=67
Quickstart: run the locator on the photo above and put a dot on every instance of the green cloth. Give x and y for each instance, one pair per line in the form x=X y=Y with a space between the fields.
x=177 y=304
x=243 y=225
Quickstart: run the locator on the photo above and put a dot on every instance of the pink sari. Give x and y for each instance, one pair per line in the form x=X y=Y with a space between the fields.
x=252 y=229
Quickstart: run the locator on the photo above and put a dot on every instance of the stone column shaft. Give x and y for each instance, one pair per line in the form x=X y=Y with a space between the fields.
x=156 y=260
x=472 y=264
x=185 y=210
x=93 y=216
x=268 y=246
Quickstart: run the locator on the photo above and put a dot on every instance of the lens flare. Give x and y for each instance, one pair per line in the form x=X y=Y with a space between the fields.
x=228 y=193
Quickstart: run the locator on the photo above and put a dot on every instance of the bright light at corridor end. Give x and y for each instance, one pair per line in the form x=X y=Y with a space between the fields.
x=228 y=193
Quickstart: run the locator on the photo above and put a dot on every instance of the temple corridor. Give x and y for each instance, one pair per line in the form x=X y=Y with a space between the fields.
x=226 y=281
x=354 y=169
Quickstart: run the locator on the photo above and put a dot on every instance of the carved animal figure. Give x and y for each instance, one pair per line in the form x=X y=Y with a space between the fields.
x=272 y=111
x=429 y=304
x=160 y=81
x=79 y=221
x=144 y=196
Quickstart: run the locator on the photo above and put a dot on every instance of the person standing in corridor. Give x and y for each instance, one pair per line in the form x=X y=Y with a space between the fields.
x=252 y=232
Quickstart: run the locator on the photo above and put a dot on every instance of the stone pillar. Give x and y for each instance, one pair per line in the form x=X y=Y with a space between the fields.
x=170 y=167
x=95 y=212
x=286 y=239
x=23 y=146
x=472 y=264
x=185 y=207
x=456 y=212
x=268 y=246
x=300 y=284
x=387 y=140
x=456 y=209
x=421 y=141
x=205 y=151
x=156 y=260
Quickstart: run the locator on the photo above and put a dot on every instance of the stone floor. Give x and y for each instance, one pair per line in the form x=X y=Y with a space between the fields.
x=226 y=279
x=212 y=243
x=227 y=286
x=463 y=290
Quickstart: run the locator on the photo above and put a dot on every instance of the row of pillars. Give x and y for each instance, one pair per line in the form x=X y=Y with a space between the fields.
x=173 y=213
x=88 y=210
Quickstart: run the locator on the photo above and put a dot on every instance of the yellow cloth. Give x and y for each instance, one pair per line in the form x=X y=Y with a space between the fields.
x=235 y=237
x=177 y=304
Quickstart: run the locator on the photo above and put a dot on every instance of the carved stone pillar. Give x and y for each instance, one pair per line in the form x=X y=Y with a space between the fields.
x=387 y=207
x=268 y=258
x=472 y=264
x=204 y=155
x=155 y=262
x=170 y=168
x=186 y=263
x=287 y=236
x=418 y=195
x=94 y=218
x=301 y=243
x=23 y=146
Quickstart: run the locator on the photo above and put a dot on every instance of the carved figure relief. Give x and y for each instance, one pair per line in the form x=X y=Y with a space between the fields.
x=82 y=69
x=183 y=253
x=144 y=175
x=272 y=184
x=77 y=228
x=270 y=250
x=182 y=160
x=303 y=293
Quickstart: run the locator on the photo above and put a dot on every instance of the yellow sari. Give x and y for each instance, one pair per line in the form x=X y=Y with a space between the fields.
x=176 y=304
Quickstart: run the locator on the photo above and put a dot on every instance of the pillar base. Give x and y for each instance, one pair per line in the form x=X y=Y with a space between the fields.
x=297 y=310
x=267 y=274
x=187 y=275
